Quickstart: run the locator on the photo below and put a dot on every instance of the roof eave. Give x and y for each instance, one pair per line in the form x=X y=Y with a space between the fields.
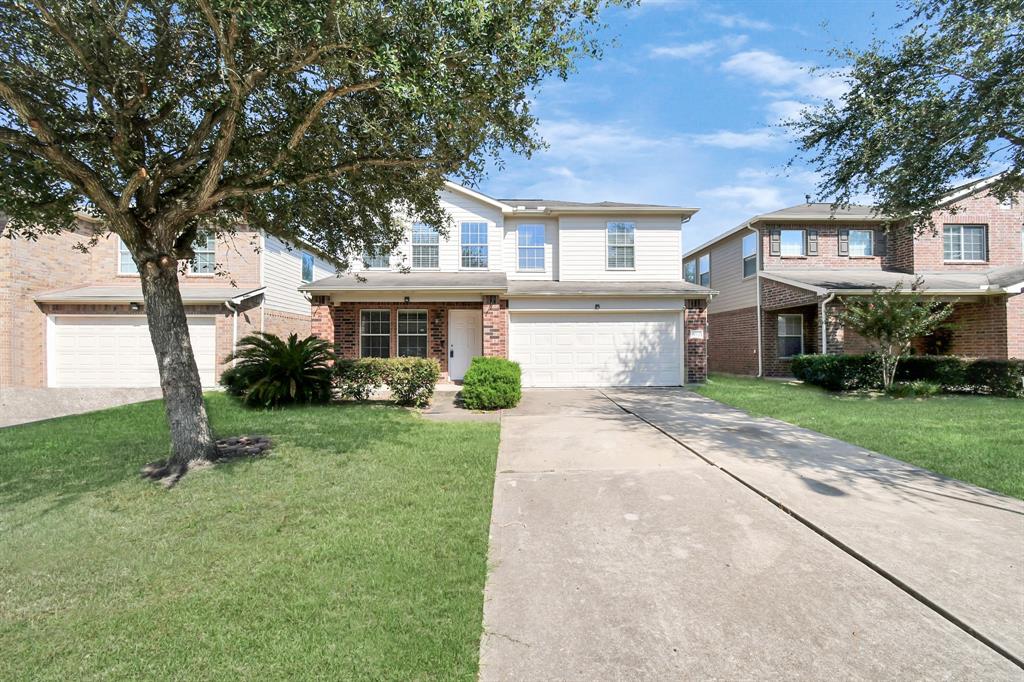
x=680 y=211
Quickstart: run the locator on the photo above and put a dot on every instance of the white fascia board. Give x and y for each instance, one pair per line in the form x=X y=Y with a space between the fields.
x=473 y=194
x=793 y=283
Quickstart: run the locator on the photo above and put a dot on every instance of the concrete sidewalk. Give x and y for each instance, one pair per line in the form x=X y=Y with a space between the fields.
x=24 y=405
x=958 y=545
x=616 y=554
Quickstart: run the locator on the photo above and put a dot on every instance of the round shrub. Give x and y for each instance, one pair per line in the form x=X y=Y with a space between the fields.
x=411 y=380
x=492 y=384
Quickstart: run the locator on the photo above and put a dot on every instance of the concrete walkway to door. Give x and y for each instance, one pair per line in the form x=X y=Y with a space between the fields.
x=618 y=554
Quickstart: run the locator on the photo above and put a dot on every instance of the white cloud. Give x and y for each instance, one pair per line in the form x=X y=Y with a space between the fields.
x=737 y=21
x=786 y=110
x=701 y=49
x=761 y=138
x=750 y=198
x=791 y=77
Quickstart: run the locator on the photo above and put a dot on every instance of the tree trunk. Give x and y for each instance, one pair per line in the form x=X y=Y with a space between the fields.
x=191 y=437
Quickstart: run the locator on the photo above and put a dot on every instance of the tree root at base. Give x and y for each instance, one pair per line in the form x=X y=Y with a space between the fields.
x=168 y=473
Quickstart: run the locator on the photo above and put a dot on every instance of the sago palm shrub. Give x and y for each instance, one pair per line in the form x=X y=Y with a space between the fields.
x=270 y=371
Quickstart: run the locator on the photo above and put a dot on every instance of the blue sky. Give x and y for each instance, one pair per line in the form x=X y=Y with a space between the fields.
x=684 y=108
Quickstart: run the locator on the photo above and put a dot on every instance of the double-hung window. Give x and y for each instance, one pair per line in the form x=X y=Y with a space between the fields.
x=375 y=333
x=205 y=262
x=530 y=242
x=792 y=243
x=862 y=243
x=705 y=270
x=791 y=335
x=125 y=264
x=473 y=242
x=749 y=255
x=424 y=246
x=379 y=258
x=412 y=333
x=690 y=271
x=307 y=267
x=620 y=246
x=964 y=243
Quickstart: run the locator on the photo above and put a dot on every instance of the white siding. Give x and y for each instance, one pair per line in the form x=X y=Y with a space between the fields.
x=734 y=292
x=582 y=254
x=511 y=253
x=282 y=276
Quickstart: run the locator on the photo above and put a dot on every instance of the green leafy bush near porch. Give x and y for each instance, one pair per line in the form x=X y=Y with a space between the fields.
x=955 y=375
x=491 y=384
x=270 y=371
x=411 y=380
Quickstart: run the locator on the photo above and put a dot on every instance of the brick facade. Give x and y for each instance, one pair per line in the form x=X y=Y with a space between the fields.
x=696 y=349
x=1004 y=235
x=732 y=341
x=495 y=327
x=1015 y=327
x=828 y=248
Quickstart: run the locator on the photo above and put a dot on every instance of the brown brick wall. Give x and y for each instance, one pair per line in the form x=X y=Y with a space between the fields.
x=732 y=341
x=776 y=295
x=1015 y=326
x=828 y=248
x=696 y=353
x=773 y=365
x=495 y=327
x=284 y=324
x=1004 y=235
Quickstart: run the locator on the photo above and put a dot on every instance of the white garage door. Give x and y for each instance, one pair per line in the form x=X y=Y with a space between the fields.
x=596 y=349
x=116 y=351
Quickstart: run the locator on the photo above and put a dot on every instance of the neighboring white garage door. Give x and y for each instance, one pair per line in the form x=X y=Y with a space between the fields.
x=116 y=351
x=596 y=349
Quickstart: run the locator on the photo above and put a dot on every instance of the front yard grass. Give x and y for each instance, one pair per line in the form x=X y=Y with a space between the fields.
x=971 y=438
x=357 y=549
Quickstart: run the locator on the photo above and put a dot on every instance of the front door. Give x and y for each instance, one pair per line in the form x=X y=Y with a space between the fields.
x=465 y=340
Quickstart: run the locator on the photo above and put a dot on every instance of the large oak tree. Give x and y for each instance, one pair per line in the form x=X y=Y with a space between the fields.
x=319 y=120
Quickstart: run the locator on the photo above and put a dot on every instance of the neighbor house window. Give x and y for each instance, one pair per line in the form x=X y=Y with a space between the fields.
x=749 y=255
x=620 y=246
x=125 y=264
x=963 y=242
x=690 y=271
x=473 y=239
x=375 y=333
x=205 y=261
x=791 y=335
x=412 y=333
x=862 y=242
x=377 y=259
x=424 y=246
x=530 y=241
x=705 y=270
x=307 y=267
x=792 y=242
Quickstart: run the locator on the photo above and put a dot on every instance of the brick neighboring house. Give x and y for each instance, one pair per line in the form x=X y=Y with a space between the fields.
x=69 y=318
x=781 y=277
x=580 y=294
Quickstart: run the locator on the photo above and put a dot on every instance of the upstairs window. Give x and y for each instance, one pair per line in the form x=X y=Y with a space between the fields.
x=690 y=271
x=205 y=262
x=862 y=243
x=620 y=246
x=377 y=259
x=307 y=267
x=705 y=270
x=375 y=333
x=424 y=246
x=749 y=255
x=964 y=243
x=412 y=333
x=792 y=243
x=530 y=242
x=125 y=264
x=473 y=240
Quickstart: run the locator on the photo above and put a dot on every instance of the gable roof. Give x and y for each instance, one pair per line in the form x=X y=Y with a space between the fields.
x=558 y=207
x=850 y=280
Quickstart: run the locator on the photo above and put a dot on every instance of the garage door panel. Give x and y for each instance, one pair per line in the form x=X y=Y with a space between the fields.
x=596 y=349
x=116 y=351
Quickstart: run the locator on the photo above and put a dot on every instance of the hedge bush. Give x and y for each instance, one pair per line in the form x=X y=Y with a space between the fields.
x=953 y=374
x=411 y=380
x=491 y=384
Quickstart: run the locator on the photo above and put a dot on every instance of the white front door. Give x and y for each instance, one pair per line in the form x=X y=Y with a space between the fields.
x=465 y=340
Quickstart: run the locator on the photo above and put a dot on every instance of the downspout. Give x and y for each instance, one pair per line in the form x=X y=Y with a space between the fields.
x=824 y=322
x=232 y=305
x=757 y=282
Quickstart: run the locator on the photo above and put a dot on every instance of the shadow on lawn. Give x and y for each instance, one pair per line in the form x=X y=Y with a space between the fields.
x=66 y=458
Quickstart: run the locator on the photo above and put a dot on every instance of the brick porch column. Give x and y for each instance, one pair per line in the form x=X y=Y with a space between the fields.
x=696 y=341
x=322 y=323
x=495 y=327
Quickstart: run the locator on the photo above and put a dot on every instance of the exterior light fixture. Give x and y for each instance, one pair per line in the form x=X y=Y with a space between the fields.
x=406 y=299
x=597 y=306
x=134 y=307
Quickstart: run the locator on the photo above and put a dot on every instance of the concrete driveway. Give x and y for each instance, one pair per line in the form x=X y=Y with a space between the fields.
x=616 y=553
x=23 y=405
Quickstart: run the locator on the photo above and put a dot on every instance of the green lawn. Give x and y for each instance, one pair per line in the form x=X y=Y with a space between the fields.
x=971 y=438
x=356 y=550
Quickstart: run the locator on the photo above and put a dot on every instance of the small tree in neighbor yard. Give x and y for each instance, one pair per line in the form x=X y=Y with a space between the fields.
x=942 y=103
x=319 y=120
x=892 y=319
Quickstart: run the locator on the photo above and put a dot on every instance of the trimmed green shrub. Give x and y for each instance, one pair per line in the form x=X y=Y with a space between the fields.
x=839 y=372
x=270 y=371
x=411 y=380
x=491 y=384
x=914 y=389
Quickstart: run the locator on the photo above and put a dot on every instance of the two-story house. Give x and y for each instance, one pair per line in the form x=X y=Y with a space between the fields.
x=781 y=278
x=77 y=319
x=580 y=294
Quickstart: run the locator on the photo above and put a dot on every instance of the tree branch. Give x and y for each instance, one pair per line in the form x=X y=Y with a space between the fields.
x=228 y=192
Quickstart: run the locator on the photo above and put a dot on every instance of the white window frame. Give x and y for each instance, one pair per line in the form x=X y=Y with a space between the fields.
x=803 y=244
x=780 y=335
x=435 y=246
x=608 y=245
x=379 y=252
x=532 y=247
x=485 y=249
x=701 y=271
x=749 y=256
x=871 y=244
x=960 y=227
x=693 y=262
x=211 y=250
x=362 y=333
x=425 y=334
x=122 y=252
